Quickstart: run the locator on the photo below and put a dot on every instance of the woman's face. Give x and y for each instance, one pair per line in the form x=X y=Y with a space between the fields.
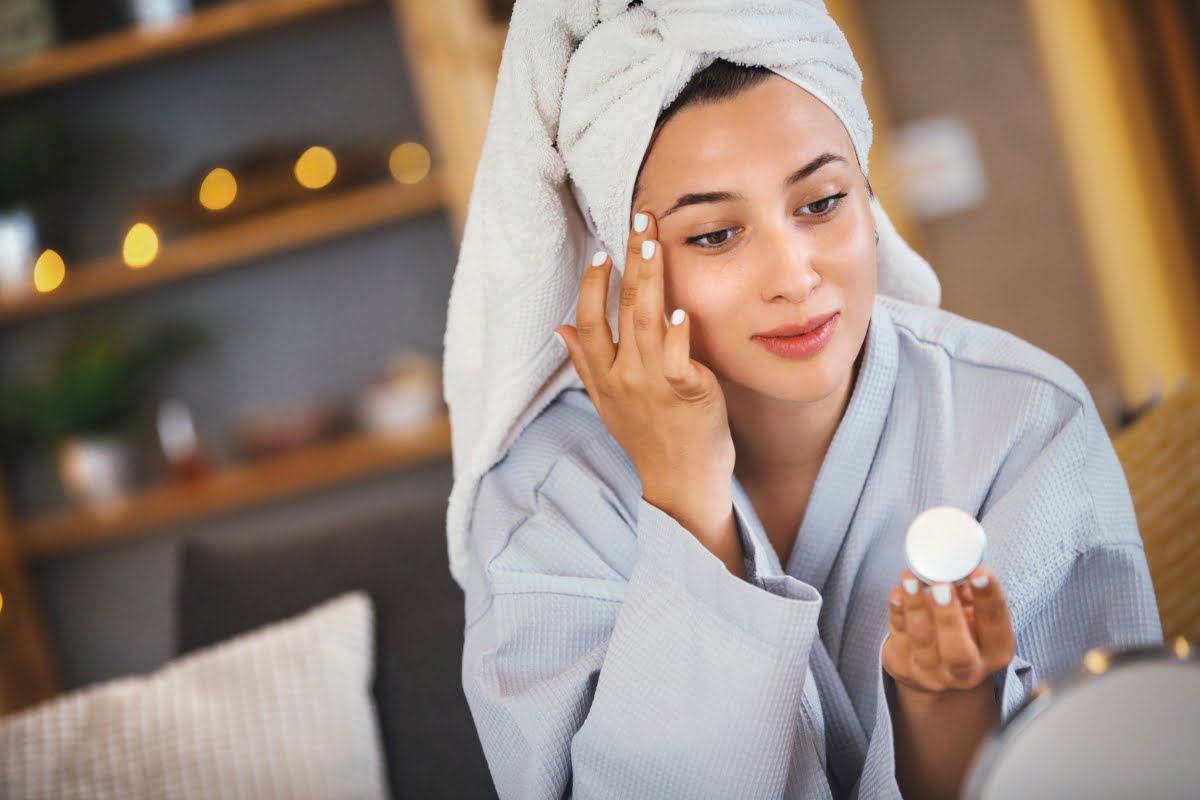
x=764 y=220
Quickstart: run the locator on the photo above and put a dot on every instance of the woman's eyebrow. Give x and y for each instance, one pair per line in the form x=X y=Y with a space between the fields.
x=811 y=167
x=697 y=198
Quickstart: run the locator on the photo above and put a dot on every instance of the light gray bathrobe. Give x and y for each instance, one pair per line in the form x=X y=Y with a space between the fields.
x=608 y=654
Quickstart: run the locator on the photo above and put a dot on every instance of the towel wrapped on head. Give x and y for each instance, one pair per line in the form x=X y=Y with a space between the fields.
x=580 y=88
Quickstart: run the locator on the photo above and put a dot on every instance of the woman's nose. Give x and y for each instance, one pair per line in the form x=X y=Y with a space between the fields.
x=787 y=268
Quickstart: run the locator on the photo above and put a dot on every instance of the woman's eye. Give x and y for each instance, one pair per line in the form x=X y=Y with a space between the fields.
x=714 y=239
x=820 y=208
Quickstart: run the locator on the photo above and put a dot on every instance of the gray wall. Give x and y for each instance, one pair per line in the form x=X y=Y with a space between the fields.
x=1018 y=260
x=309 y=325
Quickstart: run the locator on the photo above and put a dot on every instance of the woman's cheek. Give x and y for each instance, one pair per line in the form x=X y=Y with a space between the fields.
x=715 y=328
x=712 y=291
x=851 y=237
x=848 y=254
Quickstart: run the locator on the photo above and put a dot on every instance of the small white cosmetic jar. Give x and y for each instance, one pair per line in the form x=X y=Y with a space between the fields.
x=944 y=545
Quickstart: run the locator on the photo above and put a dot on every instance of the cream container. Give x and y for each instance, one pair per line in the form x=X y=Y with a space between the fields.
x=944 y=545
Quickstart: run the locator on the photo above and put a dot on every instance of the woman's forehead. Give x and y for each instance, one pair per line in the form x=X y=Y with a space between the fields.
x=768 y=126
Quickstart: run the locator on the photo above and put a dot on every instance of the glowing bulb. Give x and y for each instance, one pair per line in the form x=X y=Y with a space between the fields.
x=409 y=163
x=141 y=246
x=49 y=271
x=1 y=602
x=218 y=189
x=1095 y=662
x=1182 y=648
x=315 y=167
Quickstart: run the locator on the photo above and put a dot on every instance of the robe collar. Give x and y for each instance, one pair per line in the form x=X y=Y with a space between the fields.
x=844 y=470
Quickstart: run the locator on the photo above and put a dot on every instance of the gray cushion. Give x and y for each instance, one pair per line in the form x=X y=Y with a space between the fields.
x=429 y=739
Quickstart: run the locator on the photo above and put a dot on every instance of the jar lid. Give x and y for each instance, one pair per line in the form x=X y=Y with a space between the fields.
x=944 y=545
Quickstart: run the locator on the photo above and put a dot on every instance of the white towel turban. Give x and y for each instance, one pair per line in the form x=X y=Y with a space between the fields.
x=580 y=87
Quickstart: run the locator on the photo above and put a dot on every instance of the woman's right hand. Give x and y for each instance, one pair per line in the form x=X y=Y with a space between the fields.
x=663 y=407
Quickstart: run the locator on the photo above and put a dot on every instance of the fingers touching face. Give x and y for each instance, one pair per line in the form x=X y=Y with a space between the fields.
x=650 y=353
x=642 y=284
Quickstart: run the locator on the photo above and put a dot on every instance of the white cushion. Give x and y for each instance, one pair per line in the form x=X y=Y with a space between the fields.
x=282 y=712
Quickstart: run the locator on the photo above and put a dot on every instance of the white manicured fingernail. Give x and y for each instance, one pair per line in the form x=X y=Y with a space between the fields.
x=911 y=585
x=599 y=259
x=647 y=251
x=561 y=341
x=941 y=594
x=640 y=222
x=677 y=316
x=896 y=602
x=979 y=581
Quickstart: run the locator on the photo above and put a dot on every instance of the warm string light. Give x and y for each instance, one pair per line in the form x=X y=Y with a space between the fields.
x=141 y=246
x=315 y=168
x=218 y=189
x=49 y=271
x=1096 y=662
x=409 y=163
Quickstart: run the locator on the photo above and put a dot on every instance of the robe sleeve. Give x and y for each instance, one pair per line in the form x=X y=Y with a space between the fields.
x=609 y=654
x=1067 y=550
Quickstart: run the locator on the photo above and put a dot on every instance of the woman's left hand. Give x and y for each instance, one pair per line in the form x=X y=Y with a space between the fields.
x=944 y=638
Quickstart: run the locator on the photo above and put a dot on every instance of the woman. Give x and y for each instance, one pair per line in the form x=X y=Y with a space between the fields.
x=688 y=576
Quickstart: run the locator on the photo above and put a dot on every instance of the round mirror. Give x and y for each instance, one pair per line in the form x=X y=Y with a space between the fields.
x=1125 y=725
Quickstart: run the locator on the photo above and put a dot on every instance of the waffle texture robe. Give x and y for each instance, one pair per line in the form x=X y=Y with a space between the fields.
x=608 y=654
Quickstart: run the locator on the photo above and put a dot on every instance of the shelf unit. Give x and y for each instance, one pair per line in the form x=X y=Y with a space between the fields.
x=453 y=51
x=235 y=243
x=309 y=469
x=204 y=26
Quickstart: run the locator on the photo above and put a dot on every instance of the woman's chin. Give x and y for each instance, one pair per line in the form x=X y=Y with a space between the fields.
x=800 y=383
x=811 y=392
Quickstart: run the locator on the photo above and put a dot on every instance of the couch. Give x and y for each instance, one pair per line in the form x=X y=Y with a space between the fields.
x=430 y=746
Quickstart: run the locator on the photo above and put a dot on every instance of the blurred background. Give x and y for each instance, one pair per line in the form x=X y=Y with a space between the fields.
x=228 y=231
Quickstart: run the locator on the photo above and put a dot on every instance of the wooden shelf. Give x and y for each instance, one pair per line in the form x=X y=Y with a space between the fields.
x=233 y=244
x=109 y=51
x=308 y=470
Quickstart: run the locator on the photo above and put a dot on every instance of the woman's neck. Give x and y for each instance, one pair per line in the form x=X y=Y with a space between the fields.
x=777 y=440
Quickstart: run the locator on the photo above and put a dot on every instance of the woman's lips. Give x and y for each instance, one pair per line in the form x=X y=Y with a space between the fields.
x=804 y=345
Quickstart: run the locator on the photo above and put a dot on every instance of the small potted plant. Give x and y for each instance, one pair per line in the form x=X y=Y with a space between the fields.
x=85 y=402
